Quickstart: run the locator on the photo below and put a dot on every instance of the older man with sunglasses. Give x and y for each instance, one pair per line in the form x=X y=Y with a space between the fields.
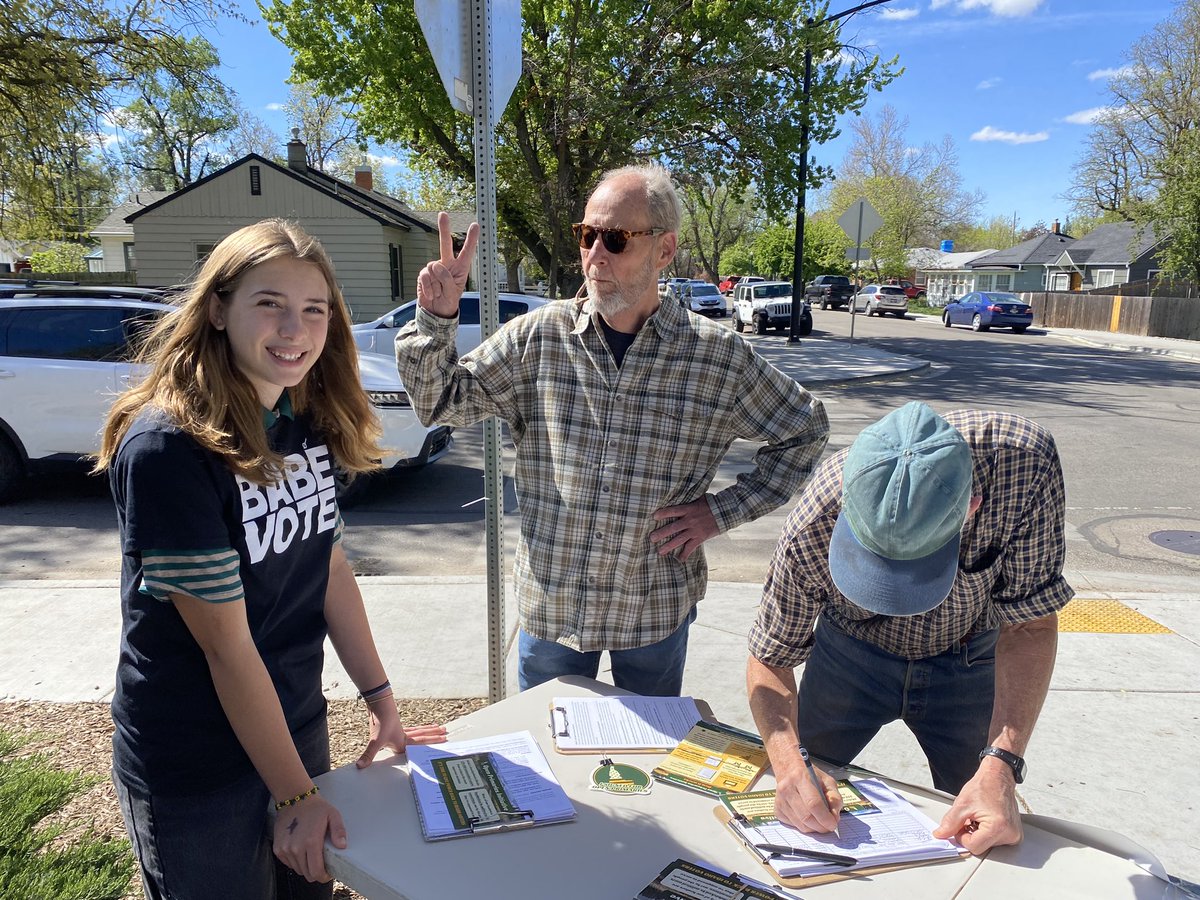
x=621 y=408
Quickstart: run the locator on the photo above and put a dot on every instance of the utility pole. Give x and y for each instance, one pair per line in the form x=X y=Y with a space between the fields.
x=798 y=247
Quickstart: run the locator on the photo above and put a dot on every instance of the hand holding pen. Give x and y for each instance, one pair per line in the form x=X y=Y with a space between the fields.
x=803 y=801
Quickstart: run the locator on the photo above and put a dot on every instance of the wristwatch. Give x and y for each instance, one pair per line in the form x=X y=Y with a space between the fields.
x=1016 y=763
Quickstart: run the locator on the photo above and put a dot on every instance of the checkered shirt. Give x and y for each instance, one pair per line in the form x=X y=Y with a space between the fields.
x=1010 y=563
x=600 y=448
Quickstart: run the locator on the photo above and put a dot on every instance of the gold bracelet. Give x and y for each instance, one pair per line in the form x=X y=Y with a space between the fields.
x=285 y=803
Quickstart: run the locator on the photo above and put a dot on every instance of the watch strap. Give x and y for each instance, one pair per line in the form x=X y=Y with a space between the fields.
x=1014 y=762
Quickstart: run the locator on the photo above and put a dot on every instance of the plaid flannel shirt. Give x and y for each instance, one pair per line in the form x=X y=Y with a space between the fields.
x=1009 y=568
x=599 y=449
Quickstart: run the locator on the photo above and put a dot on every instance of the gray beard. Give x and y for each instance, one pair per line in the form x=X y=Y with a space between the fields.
x=610 y=303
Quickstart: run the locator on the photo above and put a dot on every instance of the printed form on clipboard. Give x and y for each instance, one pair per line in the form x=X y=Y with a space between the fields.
x=486 y=785
x=632 y=723
x=878 y=828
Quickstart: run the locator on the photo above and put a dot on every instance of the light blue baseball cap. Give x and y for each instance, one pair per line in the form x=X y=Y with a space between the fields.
x=906 y=491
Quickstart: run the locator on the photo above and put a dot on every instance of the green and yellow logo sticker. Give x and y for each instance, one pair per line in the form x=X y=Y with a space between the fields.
x=620 y=778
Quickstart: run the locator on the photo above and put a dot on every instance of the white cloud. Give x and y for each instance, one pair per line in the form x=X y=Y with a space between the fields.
x=1005 y=8
x=988 y=83
x=273 y=107
x=898 y=15
x=1085 y=116
x=988 y=133
x=386 y=161
x=1106 y=74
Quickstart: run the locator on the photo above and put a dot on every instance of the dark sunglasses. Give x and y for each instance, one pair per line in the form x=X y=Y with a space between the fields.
x=614 y=239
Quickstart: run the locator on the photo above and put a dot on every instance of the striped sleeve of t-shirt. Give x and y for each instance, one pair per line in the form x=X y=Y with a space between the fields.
x=210 y=575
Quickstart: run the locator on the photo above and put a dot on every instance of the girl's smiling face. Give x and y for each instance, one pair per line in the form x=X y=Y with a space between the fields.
x=276 y=320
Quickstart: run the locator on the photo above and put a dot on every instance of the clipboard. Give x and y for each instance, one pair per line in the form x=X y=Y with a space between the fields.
x=560 y=726
x=488 y=786
x=801 y=881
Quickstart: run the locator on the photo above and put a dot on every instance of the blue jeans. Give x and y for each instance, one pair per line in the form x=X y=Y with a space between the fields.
x=851 y=688
x=655 y=670
x=218 y=844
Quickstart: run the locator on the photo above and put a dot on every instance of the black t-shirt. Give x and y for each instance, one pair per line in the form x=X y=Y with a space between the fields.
x=172 y=736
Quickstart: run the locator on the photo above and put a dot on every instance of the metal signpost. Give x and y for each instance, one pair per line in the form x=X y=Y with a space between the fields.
x=476 y=45
x=859 y=222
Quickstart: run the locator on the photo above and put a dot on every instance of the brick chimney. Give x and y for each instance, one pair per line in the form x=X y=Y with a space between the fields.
x=297 y=152
x=1054 y=229
x=364 y=178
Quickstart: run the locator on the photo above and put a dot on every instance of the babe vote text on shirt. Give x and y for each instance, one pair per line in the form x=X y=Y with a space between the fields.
x=302 y=503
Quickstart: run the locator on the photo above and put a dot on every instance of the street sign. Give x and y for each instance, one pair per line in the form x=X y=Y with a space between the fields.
x=446 y=25
x=860 y=221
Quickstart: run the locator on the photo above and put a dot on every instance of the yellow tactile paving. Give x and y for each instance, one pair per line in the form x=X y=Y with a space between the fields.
x=1106 y=617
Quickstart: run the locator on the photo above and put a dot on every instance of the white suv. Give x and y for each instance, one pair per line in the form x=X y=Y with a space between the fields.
x=64 y=356
x=768 y=304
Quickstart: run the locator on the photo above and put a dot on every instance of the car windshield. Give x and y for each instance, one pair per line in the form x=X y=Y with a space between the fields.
x=771 y=291
x=891 y=290
x=705 y=290
x=1003 y=298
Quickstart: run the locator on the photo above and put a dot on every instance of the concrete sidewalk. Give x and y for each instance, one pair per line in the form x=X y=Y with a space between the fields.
x=1115 y=746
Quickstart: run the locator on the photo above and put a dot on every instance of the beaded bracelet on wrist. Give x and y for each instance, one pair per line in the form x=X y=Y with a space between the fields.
x=283 y=804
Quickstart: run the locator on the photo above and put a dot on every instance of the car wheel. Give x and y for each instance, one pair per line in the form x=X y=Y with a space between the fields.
x=737 y=322
x=824 y=304
x=920 y=298
x=760 y=324
x=946 y=319
x=12 y=470
x=899 y=313
x=977 y=323
x=806 y=325
x=1019 y=329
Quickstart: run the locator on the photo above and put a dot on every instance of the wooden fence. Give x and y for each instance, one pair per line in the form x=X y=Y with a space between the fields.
x=1170 y=317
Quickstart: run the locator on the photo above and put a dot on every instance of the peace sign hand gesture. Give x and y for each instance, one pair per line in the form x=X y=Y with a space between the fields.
x=440 y=284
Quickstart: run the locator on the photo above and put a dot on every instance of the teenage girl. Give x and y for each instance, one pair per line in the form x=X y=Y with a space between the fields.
x=222 y=463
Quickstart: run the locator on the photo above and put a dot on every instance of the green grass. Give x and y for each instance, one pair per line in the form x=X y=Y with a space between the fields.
x=915 y=307
x=34 y=863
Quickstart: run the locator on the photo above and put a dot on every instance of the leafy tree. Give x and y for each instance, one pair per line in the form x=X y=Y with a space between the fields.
x=714 y=219
x=1175 y=211
x=61 y=258
x=63 y=62
x=712 y=87
x=251 y=134
x=325 y=124
x=773 y=248
x=998 y=233
x=176 y=117
x=917 y=191
x=739 y=259
x=1111 y=175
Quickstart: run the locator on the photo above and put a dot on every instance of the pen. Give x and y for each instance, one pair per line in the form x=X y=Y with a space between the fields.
x=812 y=773
x=833 y=858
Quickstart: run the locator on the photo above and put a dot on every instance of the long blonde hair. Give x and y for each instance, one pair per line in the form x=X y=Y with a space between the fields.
x=194 y=381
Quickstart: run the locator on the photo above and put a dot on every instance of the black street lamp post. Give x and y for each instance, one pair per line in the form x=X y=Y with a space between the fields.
x=798 y=247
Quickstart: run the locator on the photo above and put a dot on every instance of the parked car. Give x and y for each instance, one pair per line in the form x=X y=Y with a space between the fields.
x=672 y=286
x=379 y=335
x=829 y=290
x=877 y=299
x=767 y=305
x=729 y=282
x=66 y=351
x=912 y=291
x=703 y=298
x=989 y=309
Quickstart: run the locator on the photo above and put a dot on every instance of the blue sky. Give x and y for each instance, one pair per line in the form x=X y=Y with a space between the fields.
x=1013 y=82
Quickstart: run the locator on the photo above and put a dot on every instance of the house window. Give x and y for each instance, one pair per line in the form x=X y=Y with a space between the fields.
x=255 y=180
x=130 y=256
x=396 y=265
x=1104 y=278
x=983 y=281
x=1003 y=282
x=1061 y=282
x=203 y=251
